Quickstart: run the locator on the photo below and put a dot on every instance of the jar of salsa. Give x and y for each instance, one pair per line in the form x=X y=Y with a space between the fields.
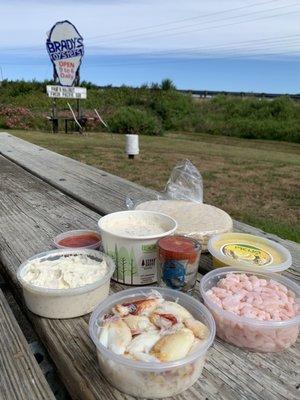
x=178 y=261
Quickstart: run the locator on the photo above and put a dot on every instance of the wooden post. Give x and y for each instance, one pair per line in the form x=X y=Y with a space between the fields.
x=54 y=117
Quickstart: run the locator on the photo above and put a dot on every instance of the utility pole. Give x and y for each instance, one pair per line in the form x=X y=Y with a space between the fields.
x=1 y=75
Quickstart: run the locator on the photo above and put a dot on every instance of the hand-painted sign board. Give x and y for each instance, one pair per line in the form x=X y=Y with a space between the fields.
x=66 y=92
x=65 y=48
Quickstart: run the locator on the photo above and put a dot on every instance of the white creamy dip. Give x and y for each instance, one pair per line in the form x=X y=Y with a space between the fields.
x=135 y=227
x=65 y=272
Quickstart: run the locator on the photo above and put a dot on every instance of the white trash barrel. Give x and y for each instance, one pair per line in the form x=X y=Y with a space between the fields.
x=132 y=145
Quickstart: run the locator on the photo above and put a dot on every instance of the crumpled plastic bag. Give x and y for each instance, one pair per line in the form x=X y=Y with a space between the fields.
x=185 y=183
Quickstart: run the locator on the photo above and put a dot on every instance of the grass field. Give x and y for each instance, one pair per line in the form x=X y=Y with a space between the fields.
x=255 y=181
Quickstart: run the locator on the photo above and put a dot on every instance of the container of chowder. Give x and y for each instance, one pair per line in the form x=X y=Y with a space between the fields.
x=130 y=239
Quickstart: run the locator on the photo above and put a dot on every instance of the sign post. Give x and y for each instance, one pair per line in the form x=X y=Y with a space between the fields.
x=65 y=48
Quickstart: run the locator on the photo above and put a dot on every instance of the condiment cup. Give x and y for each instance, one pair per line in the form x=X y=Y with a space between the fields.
x=76 y=233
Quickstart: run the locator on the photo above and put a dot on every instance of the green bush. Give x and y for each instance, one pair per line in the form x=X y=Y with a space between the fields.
x=130 y=120
x=152 y=108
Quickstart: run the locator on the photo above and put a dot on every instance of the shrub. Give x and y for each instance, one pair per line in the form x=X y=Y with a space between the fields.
x=130 y=120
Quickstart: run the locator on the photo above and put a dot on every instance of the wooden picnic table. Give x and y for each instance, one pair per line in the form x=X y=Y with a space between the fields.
x=42 y=194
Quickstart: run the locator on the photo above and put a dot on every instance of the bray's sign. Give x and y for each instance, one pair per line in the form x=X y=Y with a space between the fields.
x=65 y=49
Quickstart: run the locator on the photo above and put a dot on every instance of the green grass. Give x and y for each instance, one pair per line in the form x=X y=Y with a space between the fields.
x=255 y=181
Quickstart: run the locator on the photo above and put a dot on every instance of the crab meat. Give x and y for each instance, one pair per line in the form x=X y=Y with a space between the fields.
x=138 y=324
x=115 y=335
x=138 y=307
x=173 y=347
x=198 y=328
x=163 y=321
x=175 y=309
x=143 y=342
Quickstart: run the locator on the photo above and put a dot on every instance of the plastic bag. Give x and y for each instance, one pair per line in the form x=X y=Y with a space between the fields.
x=185 y=183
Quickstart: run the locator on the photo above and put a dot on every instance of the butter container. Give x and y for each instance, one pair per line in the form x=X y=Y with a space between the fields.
x=242 y=250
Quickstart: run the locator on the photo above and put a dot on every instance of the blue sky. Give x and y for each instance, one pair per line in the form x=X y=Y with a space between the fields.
x=242 y=45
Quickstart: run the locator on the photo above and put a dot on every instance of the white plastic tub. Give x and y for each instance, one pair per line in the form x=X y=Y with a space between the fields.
x=249 y=333
x=151 y=379
x=66 y=303
x=135 y=255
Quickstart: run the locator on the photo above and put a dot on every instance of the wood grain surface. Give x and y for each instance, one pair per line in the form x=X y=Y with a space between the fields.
x=31 y=213
x=20 y=375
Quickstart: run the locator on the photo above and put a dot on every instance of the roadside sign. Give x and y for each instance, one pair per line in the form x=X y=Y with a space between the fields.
x=71 y=92
x=65 y=48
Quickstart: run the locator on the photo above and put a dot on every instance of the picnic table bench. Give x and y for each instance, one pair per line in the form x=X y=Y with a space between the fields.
x=42 y=194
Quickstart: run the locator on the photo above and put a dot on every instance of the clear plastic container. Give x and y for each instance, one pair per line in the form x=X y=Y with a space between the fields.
x=248 y=333
x=76 y=233
x=248 y=251
x=66 y=303
x=151 y=379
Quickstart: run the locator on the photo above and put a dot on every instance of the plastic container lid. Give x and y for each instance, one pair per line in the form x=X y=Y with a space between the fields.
x=178 y=248
x=82 y=236
x=199 y=221
x=248 y=251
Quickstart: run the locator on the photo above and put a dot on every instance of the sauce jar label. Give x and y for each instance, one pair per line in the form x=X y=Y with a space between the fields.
x=248 y=253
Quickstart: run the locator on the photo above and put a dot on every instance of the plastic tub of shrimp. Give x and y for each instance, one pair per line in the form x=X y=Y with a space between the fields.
x=149 y=342
x=255 y=311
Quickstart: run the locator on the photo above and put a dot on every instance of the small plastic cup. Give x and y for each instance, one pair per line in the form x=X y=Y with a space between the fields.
x=82 y=235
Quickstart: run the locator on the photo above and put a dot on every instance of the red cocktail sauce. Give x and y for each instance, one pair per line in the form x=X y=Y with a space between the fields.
x=178 y=248
x=81 y=240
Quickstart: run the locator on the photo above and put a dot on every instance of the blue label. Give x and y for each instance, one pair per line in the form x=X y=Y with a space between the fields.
x=173 y=273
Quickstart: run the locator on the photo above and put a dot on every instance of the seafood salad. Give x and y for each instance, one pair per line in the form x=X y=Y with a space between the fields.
x=151 y=329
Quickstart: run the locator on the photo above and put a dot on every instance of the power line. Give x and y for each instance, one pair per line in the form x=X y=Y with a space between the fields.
x=183 y=20
x=150 y=35
x=247 y=43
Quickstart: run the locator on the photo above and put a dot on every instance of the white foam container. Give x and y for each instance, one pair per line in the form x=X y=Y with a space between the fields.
x=151 y=379
x=66 y=303
x=135 y=257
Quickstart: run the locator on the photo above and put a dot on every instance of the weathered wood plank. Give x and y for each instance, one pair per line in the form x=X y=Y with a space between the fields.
x=20 y=375
x=97 y=189
x=101 y=191
x=31 y=213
